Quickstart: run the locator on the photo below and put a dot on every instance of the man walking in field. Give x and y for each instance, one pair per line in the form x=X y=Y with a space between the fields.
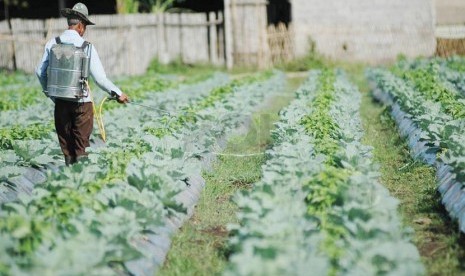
x=63 y=73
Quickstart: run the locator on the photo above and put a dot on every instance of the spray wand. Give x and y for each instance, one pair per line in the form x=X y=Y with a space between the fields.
x=114 y=96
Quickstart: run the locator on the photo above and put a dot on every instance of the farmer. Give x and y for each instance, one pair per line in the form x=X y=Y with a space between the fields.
x=63 y=72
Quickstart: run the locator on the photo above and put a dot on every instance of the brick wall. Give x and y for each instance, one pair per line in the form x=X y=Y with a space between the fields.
x=373 y=31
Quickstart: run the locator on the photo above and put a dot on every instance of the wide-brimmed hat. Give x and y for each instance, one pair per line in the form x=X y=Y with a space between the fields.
x=78 y=11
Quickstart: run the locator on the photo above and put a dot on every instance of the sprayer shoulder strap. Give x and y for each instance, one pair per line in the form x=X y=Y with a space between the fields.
x=85 y=44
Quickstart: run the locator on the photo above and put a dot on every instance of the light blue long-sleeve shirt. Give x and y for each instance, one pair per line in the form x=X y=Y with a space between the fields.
x=96 y=68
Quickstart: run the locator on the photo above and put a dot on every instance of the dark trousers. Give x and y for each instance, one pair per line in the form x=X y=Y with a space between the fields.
x=73 y=123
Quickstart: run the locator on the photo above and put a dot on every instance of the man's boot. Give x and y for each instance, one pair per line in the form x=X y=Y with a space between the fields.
x=69 y=160
x=81 y=158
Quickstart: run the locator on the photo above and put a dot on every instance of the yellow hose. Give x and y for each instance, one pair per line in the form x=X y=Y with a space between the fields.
x=100 y=124
x=98 y=114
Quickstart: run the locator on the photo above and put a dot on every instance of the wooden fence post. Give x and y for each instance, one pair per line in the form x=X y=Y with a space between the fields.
x=6 y=46
x=228 y=29
x=162 y=55
x=221 y=41
x=213 y=38
x=263 y=49
x=181 y=38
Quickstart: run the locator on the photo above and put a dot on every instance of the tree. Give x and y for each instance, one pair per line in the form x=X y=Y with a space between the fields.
x=157 y=6
x=134 y=6
x=18 y=3
x=127 y=6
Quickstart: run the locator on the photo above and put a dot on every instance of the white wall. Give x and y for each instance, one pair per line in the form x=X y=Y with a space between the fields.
x=373 y=31
x=450 y=12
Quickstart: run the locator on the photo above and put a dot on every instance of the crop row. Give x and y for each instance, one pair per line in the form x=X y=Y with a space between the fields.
x=35 y=122
x=34 y=145
x=114 y=216
x=319 y=206
x=21 y=92
x=446 y=72
x=432 y=118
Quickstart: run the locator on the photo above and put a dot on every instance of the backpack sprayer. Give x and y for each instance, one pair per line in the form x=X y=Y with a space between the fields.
x=68 y=70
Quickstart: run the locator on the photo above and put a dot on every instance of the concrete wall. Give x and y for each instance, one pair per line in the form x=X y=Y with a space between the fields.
x=450 y=12
x=373 y=31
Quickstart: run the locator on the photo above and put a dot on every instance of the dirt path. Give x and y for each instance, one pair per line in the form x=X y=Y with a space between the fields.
x=200 y=247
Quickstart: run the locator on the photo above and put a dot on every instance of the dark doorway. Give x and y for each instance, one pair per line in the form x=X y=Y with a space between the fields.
x=279 y=11
x=200 y=5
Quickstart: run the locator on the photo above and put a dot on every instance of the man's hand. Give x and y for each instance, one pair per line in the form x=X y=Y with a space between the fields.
x=123 y=99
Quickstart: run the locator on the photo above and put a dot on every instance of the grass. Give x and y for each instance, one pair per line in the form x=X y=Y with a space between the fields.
x=200 y=247
x=177 y=67
x=440 y=244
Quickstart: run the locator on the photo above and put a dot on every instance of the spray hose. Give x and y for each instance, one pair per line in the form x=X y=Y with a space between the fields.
x=98 y=113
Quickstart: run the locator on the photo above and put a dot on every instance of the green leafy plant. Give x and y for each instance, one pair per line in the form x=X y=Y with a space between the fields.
x=429 y=107
x=9 y=135
x=127 y=6
x=157 y=6
x=108 y=203
x=317 y=206
x=427 y=82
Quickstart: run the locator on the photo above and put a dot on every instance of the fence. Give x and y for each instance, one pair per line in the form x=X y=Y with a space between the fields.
x=450 y=40
x=6 y=47
x=126 y=43
x=281 y=43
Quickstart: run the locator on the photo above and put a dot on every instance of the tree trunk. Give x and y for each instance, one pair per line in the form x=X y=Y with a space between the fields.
x=61 y=5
